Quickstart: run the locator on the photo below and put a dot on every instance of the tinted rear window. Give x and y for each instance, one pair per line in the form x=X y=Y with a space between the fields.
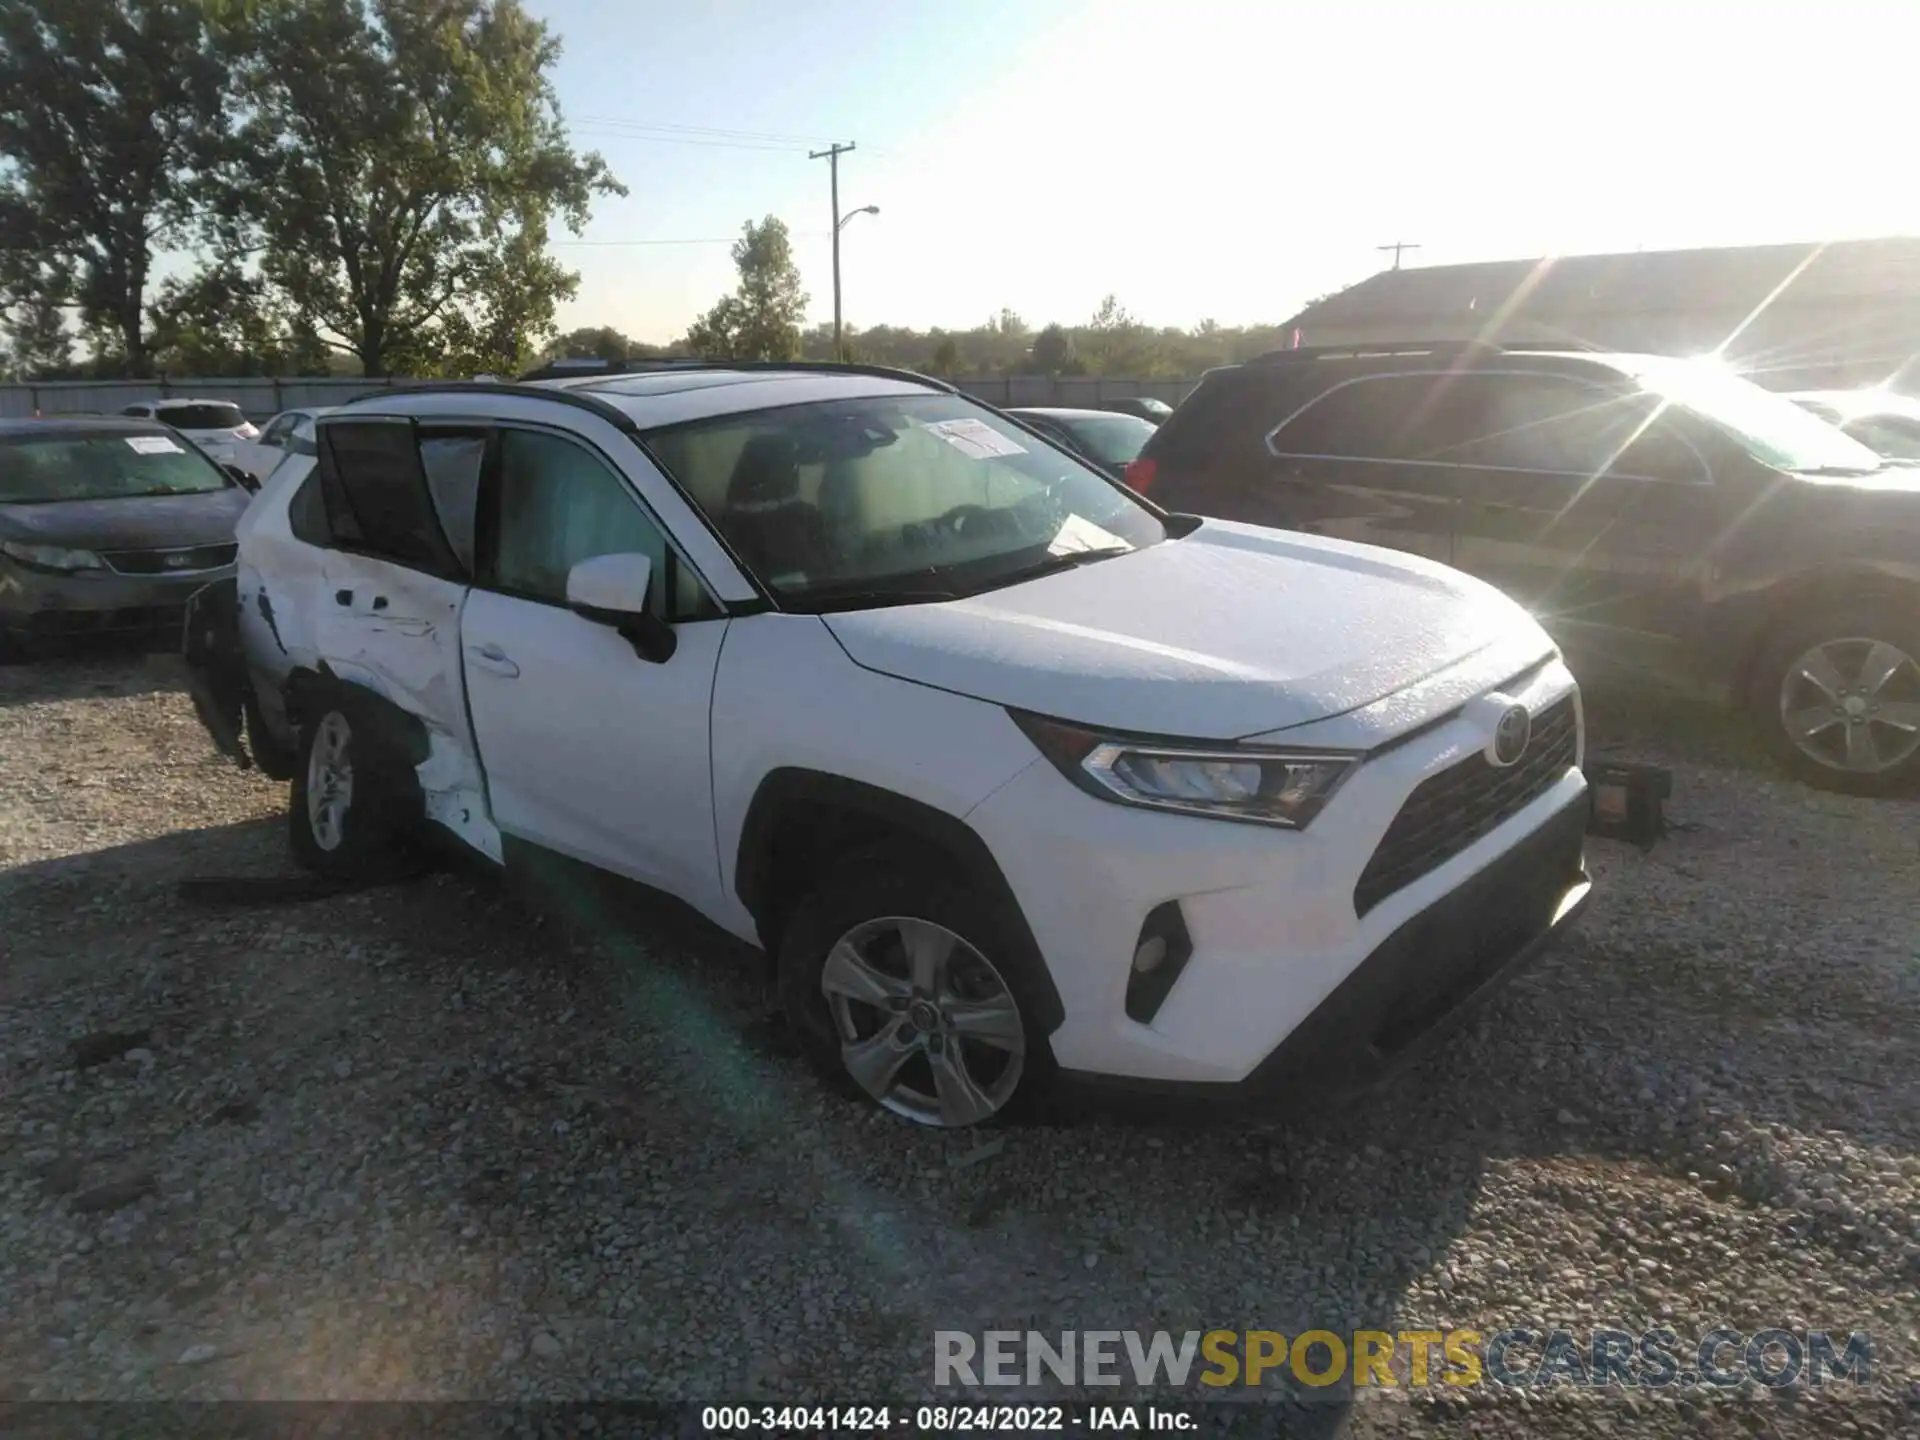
x=203 y=415
x=1228 y=415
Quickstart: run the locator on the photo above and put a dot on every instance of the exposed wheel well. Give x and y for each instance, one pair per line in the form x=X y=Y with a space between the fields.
x=397 y=732
x=802 y=821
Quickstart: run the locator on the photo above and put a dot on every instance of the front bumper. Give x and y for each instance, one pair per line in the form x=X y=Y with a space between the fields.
x=1274 y=923
x=42 y=603
x=1421 y=983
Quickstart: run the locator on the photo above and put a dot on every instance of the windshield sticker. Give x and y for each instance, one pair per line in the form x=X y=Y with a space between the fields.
x=153 y=445
x=1076 y=535
x=975 y=439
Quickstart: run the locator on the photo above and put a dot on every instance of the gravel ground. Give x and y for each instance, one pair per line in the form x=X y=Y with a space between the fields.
x=434 y=1141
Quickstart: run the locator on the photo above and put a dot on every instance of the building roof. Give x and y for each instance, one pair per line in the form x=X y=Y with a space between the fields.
x=1639 y=281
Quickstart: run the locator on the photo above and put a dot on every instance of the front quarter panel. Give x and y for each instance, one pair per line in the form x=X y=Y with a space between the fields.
x=787 y=697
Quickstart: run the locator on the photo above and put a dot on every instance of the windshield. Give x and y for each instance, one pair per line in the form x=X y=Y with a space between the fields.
x=883 y=500
x=1771 y=427
x=202 y=415
x=100 y=465
x=1110 y=439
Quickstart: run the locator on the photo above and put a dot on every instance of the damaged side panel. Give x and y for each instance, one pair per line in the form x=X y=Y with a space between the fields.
x=351 y=620
x=396 y=632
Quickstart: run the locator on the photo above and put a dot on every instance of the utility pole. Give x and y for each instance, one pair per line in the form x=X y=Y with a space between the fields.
x=1396 y=248
x=832 y=157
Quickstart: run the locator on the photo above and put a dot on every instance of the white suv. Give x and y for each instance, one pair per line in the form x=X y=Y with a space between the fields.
x=1013 y=775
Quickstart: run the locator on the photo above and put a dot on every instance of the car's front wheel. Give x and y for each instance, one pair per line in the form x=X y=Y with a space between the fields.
x=352 y=804
x=894 y=981
x=1838 y=695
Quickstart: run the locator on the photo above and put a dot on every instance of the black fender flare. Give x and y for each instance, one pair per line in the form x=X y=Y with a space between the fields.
x=783 y=791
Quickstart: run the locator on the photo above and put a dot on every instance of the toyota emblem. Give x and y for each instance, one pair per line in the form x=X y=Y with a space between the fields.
x=177 y=562
x=1510 y=735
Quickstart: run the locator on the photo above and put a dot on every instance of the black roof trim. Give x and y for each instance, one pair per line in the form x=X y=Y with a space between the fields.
x=579 y=367
x=612 y=414
x=1422 y=347
x=799 y=367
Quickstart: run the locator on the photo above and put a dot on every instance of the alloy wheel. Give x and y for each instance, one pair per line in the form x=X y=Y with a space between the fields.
x=927 y=1026
x=1853 y=704
x=329 y=781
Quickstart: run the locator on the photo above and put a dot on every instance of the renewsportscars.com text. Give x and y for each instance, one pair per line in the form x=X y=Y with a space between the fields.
x=1518 y=1356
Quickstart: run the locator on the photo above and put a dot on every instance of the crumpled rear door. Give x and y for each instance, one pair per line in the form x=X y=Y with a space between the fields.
x=387 y=613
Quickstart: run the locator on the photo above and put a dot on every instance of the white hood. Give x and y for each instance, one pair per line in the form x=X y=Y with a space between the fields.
x=1230 y=632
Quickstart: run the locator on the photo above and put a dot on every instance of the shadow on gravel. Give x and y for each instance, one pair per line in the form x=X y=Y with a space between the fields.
x=91 y=669
x=609 y=1070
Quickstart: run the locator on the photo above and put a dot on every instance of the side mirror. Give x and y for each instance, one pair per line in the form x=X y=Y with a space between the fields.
x=245 y=479
x=612 y=590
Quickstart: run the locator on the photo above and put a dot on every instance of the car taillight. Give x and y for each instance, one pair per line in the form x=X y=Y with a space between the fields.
x=1139 y=473
x=246 y=432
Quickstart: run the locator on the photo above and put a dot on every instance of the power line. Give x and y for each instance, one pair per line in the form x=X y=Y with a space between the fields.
x=693 y=240
x=612 y=126
x=688 y=140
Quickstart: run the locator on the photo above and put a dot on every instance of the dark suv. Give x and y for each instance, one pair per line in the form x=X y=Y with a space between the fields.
x=1621 y=497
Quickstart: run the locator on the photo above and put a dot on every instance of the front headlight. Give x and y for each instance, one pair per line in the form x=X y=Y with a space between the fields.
x=1262 y=787
x=51 y=557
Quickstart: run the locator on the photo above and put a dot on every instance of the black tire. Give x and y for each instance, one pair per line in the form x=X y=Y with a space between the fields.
x=1890 y=620
x=871 y=885
x=380 y=821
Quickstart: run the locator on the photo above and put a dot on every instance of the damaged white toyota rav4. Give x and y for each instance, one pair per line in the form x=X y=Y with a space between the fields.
x=1017 y=778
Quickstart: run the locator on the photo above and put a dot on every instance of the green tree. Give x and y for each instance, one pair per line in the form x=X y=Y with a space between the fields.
x=399 y=167
x=761 y=319
x=1053 y=353
x=222 y=320
x=38 y=343
x=110 y=114
x=946 y=357
x=1116 y=343
x=591 y=342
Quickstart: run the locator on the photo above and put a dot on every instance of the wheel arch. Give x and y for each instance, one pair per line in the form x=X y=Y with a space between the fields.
x=395 y=729
x=799 y=821
x=1739 y=626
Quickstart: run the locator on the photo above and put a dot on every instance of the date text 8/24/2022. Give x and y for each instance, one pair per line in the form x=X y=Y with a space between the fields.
x=942 y=1419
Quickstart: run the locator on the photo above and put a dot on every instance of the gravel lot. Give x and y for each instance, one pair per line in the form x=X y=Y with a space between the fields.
x=433 y=1141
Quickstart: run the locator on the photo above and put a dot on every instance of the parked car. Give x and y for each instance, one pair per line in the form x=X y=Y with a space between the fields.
x=1615 y=495
x=1110 y=441
x=106 y=524
x=289 y=432
x=1009 y=772
x=216 y=426
x=1886 y=423
x=1144 y=406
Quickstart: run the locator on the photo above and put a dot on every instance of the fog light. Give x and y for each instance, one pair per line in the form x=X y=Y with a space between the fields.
x=1152 y=951
x=1159 y=955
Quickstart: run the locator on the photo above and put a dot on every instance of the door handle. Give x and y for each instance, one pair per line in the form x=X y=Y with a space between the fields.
x=492 y=657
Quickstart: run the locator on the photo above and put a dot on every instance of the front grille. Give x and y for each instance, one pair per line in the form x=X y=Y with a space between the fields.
x=182 y=560
x=1451 y=810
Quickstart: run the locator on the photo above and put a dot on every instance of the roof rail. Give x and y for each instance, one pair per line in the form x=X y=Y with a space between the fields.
x=579 y=367
x=820 y=367
x=612 y=414
x=1420 y=347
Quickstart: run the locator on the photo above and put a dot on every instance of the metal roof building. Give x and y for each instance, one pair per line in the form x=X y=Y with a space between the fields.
x=1835 y=313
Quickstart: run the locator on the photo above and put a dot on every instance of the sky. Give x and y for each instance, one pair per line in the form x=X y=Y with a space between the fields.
x=1207 y=158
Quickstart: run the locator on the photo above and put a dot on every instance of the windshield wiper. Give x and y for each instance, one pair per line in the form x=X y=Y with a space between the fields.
x=1054 y=564
x=831 y=598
